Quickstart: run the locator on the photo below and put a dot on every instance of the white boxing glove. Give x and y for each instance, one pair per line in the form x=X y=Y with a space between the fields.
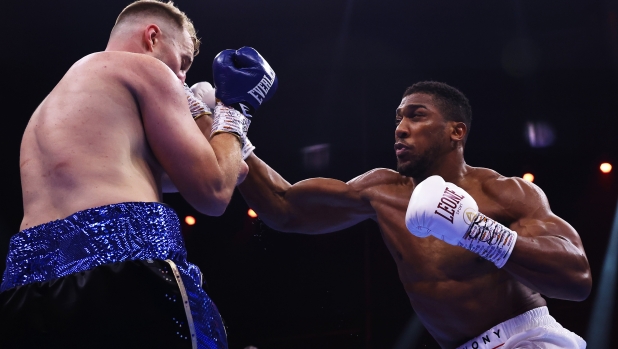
x=205 y=92
x=449 y=213
x=196 y=105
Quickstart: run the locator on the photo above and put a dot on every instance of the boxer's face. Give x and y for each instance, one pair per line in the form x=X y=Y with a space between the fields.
x=421 y=136
x=176 y=51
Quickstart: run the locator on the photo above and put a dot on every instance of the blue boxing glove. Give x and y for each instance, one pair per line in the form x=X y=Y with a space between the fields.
x=243 y=81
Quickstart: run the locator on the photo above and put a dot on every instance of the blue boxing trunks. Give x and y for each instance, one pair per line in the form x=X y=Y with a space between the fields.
x=111 y=276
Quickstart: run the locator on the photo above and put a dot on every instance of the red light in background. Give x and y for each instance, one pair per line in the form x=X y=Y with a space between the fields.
x=528 y=177
x=190 y=220
x=606 y=167
x=252 y=213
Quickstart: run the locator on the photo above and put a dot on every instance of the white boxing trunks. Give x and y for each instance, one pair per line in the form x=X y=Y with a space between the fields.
x=534 y=329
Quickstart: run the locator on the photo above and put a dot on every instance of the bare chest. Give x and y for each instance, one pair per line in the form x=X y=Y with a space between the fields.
x=427 y=258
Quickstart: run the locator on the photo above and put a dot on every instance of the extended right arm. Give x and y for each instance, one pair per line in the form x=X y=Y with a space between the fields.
x=311 y=206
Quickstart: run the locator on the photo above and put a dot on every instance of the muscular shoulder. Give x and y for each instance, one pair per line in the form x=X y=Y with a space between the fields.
x=513 y=194
x=378 y=177
x=133 y=69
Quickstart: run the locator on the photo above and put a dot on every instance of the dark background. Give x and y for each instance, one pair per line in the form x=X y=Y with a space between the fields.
x=343 y=66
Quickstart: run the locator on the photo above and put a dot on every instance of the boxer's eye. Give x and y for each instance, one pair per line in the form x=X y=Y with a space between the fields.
x=185 y=64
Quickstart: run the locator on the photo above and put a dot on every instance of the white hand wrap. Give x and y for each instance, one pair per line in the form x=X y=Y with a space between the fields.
x=490 y=239
x=247 y=149
x=206 y=93
x=196 y=106
x=449 y=213
x=230 y=120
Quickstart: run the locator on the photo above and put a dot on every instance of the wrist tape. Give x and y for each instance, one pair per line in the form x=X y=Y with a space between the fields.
x=230 y=120
x=489 y=239
x=247 y=149
x=196 y=106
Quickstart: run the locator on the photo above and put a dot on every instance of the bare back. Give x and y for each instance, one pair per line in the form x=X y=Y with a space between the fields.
x=85 y=145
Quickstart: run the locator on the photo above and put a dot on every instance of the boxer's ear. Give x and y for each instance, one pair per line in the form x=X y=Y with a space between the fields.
x=152 y=35
x=458 y=131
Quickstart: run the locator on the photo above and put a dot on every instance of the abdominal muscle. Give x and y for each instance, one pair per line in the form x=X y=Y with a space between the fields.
x=458 y=295
x=85 y=146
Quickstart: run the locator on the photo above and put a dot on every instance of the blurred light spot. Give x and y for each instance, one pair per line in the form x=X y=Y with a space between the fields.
x=316 y=157
x=190 y=220
x=252 y=213
x=539 y=134
x=606 y=167
x=528 y=177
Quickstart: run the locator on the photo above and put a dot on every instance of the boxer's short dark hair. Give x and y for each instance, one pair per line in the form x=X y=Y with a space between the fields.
x=163 y=9
x=452 y=102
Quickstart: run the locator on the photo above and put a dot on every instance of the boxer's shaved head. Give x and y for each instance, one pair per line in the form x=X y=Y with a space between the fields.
x=452 y=102
x=166 y=14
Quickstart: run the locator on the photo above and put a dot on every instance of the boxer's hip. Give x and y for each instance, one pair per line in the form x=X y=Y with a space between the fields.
x=131 y=304
x=93 y=237
x=97 y=238
x=535 y=328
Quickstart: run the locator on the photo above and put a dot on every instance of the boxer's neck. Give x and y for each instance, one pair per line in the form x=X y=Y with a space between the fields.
x=127 y=45
x=451 y=166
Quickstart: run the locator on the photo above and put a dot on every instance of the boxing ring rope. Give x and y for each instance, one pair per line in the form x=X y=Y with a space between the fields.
x=600 y=324
x=411 y=334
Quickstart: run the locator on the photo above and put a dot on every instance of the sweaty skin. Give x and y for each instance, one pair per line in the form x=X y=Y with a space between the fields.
x=457 y=294
x=115 y=126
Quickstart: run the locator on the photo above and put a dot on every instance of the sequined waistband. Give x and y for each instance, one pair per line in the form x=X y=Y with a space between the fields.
x=93 y=237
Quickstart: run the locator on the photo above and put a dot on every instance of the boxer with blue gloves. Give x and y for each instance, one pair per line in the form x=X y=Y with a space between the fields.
x=100 y=261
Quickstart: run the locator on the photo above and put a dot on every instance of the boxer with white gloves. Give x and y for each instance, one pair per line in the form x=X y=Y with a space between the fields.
x=446 y=211
x=464 y=299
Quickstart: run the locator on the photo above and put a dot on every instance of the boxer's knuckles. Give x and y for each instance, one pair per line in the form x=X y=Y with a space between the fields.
x=438 y=208
x=421 y=207
x=243 y=76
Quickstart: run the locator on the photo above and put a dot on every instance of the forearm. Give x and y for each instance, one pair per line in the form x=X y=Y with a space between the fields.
x=552 y=266
x=538 y=248
x=264 y=190
x=226 y=148
x=311 y=206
